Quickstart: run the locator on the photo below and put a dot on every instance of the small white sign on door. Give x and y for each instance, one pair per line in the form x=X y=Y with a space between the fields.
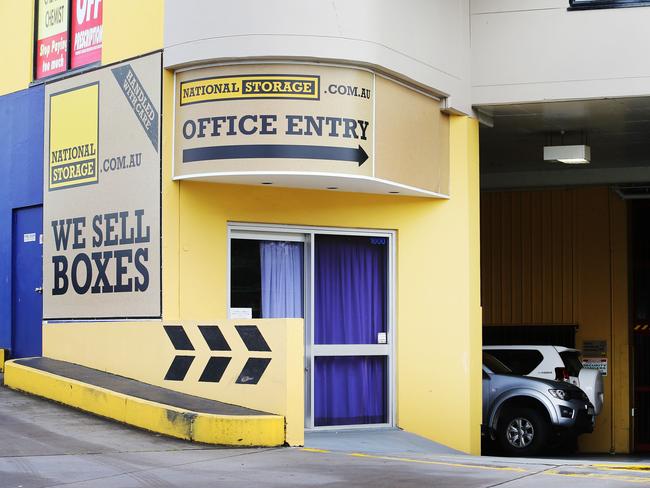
x=241 y=313
x=381 y=338
x=30 y=237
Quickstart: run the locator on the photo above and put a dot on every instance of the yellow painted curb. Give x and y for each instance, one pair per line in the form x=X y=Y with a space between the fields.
x=4 y=355
x=231 y=430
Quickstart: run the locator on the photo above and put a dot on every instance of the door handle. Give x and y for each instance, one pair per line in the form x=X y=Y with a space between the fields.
x=39 y=290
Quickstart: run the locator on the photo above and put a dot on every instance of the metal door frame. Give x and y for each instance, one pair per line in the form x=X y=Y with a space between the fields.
x=306 y=234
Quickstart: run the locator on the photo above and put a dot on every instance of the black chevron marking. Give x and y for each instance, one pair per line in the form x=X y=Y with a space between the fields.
x=214 y=338
x=214 y=369
x=252 y=337
x=179 y=338
x=253 y=371
x=179 y=368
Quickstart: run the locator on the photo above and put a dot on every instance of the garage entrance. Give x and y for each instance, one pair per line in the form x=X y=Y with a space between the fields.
x=565 y=245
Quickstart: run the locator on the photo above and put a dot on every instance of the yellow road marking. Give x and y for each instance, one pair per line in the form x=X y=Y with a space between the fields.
x=439 y=463
x=554 y=472
x=599 y=476
x=629 y=467
x=420 y=461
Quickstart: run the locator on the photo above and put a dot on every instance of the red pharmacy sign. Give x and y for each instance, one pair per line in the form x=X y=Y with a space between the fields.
x=86 y=41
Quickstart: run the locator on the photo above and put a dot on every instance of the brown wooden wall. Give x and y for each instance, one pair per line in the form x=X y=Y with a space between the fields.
x=528 y=257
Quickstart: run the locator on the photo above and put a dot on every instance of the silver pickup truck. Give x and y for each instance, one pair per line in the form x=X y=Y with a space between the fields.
x=524 y=414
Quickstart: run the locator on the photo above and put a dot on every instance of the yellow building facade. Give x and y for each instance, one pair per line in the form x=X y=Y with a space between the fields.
x=219 y=144
x=199 y=216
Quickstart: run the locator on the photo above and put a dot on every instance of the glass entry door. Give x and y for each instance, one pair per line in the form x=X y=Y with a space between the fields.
x=341 y=285
x=350 y=348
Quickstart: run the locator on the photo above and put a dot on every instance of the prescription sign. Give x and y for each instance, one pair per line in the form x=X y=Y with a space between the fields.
x=52 y=38
x=87 y=32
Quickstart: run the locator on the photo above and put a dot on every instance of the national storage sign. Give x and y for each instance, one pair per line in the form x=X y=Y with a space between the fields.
x=101 y=215
x=250 y=86
x=274 y=119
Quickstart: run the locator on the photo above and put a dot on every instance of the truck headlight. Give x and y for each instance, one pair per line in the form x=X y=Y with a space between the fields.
x=560 y=394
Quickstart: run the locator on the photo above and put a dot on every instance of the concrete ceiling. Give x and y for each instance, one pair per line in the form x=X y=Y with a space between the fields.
x=618 y=131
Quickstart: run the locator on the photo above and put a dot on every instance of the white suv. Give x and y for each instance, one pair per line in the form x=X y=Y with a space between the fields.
x=552 y=363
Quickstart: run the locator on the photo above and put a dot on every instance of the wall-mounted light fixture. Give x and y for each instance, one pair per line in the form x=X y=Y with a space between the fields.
x=577 y=154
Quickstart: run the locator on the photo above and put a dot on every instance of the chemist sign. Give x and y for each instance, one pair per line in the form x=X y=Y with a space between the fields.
x=52 y=37
x=101 y=216
x=256 y=119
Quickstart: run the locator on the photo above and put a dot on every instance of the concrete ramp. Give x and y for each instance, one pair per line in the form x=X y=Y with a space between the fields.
x=145 y=406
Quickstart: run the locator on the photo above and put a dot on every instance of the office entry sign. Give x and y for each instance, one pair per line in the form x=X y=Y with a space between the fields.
x=298 y=119
x=101 y=215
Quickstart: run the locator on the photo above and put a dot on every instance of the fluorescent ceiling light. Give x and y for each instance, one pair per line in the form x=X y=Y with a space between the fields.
x=568 y=154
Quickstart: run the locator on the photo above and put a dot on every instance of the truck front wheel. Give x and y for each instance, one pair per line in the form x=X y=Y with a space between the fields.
x=522 y=432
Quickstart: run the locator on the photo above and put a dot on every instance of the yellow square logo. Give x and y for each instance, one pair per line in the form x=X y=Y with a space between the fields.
x=74 y=135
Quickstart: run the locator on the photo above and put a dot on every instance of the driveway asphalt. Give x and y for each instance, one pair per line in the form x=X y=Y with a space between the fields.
x=43 y=444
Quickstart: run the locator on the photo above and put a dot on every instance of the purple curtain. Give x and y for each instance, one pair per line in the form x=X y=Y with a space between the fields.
x=350 y=308
x=350 y=390
x=350 y=289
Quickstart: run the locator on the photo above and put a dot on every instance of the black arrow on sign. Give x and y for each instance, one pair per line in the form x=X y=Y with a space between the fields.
x=275 y=151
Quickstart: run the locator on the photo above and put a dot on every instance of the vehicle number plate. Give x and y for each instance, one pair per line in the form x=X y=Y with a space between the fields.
x=590 y=410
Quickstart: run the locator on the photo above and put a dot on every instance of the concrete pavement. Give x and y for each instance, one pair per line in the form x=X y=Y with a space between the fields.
x=46 y=445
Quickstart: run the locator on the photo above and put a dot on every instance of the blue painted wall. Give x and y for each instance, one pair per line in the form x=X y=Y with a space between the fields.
x=21 y=179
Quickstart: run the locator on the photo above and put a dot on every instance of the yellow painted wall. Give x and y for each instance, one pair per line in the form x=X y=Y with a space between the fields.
x=131 y=28
x=16 y=41
x=560 y=257
x=438 y=314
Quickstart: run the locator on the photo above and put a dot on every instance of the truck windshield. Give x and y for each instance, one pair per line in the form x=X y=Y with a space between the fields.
x=494 y=365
